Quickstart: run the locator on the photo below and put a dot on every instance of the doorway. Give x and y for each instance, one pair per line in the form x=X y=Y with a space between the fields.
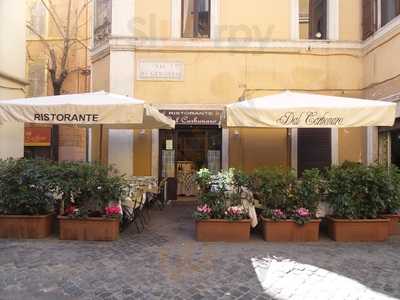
x=314 y=149
x=183 y=152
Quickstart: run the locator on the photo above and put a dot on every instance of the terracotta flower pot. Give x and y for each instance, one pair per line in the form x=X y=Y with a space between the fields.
x=25 y=227
x=222 y=231
x=290 y=231
x=89 y=229
x=344 y=230
x=394 y=226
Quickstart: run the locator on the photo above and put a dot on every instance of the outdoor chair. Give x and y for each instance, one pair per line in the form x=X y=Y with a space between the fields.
x=132 y=209
x=159 y=197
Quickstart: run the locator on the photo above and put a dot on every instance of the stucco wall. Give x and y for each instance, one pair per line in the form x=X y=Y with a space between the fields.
x=255 y=19
x=153 y=19
x=350 y=20
x=250 y=149
x=12 y=62
x=101 y=74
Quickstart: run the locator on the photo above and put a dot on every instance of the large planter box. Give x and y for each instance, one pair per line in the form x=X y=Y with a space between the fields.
x=290 y=231
x=343 y=230
x=25 y=227
x=89 y=229
x=394 y=226
x=222 y=231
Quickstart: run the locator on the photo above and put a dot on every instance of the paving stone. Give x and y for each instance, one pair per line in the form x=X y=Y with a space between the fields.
x=165 y=262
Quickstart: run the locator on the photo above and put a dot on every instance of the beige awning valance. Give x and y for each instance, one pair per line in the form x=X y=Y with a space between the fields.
x=98 y=108
x=300 y=110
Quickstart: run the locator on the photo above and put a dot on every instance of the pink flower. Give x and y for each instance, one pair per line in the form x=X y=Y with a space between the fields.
x=204 y=209
x=303 y=212
x=234 y=211
x=279 y=214
x=112 y=211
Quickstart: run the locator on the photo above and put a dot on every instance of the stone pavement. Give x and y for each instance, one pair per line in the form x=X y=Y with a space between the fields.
x=165 y=262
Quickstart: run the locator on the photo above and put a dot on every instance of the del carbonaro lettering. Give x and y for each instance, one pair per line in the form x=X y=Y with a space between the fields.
x=48 y=117
x=309 y=118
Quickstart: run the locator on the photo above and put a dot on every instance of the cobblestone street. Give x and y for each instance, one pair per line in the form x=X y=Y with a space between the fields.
x=165 y=262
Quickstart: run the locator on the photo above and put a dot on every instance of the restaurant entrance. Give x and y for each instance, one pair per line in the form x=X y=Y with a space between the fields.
x=183 y=152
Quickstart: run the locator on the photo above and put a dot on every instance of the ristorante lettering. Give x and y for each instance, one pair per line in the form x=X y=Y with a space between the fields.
x=309 y=119
x=78 y=118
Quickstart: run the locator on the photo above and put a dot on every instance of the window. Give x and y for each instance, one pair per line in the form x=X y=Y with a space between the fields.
x=389 y=10
x=313 y=19
x=37 y=80
x=196 y=18
x=102 y=21
x=377 y=13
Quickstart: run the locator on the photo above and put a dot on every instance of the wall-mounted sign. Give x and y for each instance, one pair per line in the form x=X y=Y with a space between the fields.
x=309 y=119
x=37 y=136
x=160 y=70
x=194 y=117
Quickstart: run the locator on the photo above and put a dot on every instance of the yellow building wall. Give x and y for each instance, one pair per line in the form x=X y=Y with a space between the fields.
x=101 y=74
x=255 y=19
x=223 y=77
x=382 y=67
x=153 y=19
x=350 y=20
x=351 y=144
x=250 y=149
x=142 y=153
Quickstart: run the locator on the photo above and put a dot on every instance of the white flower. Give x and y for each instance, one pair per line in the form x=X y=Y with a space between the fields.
x=99 y=188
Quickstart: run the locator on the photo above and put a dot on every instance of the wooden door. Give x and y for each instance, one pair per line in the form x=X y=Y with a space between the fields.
x=314 y=149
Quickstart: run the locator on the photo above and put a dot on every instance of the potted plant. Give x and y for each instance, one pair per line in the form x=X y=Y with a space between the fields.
x=356 y=198
x=92 y=211
x=389 y=188
x=289 y=206
x=220 y=215
x=26 y=203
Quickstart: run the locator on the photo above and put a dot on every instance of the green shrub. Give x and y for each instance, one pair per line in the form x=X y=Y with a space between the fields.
x=87 y=187
x=274 y=187
x=220 y=194
x=29 y=187
x=25 y=187
x=309 y=190
x=363 y=192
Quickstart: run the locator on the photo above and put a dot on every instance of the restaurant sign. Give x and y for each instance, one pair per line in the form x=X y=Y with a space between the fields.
x=37 y=136
x=309 y=119
x=194 y=117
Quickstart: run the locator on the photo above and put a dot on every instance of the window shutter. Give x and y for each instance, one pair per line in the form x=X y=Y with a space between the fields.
x=368 y=18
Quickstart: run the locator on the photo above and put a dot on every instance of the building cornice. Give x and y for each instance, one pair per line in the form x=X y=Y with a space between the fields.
x=357 y=48
x=13 y=78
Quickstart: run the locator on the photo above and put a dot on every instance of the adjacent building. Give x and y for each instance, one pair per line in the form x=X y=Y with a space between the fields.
x=191 y=57
x=12 y=72
x=46 y=18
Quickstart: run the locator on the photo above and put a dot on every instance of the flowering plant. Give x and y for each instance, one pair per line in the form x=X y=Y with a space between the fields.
x=203 y=212
x=113 y=211
x=276 y=214
x=236 y=213
x=71 y=210
x=301 y=216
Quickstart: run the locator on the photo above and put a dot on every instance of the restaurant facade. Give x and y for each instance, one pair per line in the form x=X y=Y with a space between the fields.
x=189 y=58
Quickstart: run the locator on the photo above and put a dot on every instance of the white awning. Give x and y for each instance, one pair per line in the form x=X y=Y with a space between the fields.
x=300 y=110
x=98 y=108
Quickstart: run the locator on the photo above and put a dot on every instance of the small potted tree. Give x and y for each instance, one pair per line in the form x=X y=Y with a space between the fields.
x=220 y=215
x=356 y=198
x=92 y=211
x=289 y=206
x=26 y=203
x=389 y=188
